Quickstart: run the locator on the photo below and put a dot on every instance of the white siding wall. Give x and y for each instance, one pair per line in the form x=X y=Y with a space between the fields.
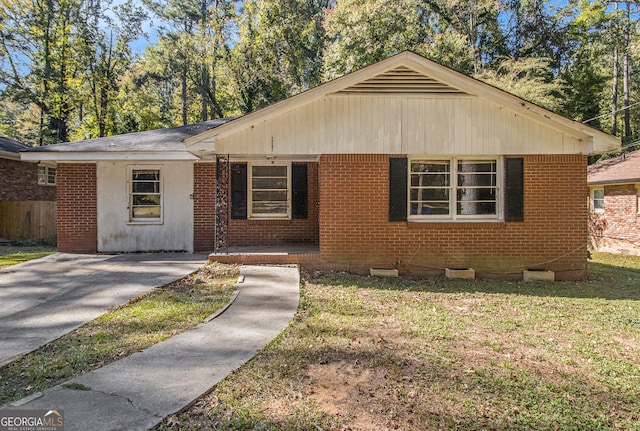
x=117 y=234
x=398 y=125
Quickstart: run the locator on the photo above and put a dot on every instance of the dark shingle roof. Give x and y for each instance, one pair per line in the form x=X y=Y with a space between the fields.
x=11 y=145
x=151 y=140
x=616 y=170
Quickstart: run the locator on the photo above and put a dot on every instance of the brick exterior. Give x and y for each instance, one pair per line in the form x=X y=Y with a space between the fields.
x=19 y=182
x=355 y=233
x=77 y=208
x=204 y=207
x=617 y=229
x=279 y=232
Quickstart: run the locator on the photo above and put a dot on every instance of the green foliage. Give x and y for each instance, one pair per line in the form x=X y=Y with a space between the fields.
x=528 y=78
x=68 y=71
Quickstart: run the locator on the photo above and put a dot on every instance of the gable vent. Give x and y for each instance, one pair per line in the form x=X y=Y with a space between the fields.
x=401 y=80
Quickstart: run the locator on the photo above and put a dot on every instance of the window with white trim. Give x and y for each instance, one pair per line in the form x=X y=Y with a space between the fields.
x=145 y=203
x=597 y=199
x=47 y=176
x=454 y=189
x=269 y=195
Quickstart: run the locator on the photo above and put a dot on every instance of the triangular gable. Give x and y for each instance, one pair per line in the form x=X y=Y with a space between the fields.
x=407 y=74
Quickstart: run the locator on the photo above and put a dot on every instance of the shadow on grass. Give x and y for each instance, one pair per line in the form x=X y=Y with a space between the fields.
x=604 y=282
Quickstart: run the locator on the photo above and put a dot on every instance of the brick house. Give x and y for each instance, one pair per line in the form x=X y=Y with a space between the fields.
x=614 y=202
x=404 y=164
x=27 y=195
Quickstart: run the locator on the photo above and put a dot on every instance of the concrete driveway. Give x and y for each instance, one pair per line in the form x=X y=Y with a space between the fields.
x=43 y=299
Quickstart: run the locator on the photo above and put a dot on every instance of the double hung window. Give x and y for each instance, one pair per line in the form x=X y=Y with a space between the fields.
x=597 y=199
x=146 y=195
x=47 y=176
x=269 y=191
x=453 y=189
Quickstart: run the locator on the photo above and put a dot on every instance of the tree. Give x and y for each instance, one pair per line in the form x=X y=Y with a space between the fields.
x=108 y=55
x=529 y=79
x=40 y=43
x=279 y=50
x=196 y=33
x=363 y=32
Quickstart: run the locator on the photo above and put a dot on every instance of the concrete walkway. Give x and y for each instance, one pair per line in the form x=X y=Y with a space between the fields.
x=43 y=299
x=137 y=392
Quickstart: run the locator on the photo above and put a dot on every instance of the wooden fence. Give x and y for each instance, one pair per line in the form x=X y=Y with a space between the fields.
x=20 y=220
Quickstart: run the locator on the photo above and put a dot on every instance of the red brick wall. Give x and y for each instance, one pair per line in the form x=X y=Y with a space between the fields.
x=618 y=228
x=77 y=208
x=19 y=182
x=204 y=206
x=278 y=232
x=355 y=233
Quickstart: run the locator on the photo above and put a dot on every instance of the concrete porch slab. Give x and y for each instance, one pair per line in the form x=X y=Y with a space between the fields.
x=281 y=255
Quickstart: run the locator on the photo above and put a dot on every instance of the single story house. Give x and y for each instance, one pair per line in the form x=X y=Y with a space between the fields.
x=404 y=164
x=614 y=198
x=27 y=195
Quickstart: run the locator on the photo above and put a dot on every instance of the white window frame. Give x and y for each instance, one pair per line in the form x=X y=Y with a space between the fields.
x=144 y=220
x=592 y=200
x=250 y=190
x=49 y=175
x=453 y=187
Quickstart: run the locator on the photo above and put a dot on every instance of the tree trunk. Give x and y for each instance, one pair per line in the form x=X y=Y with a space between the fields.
x=627 y=117
x=614 y=95
x=184 y=94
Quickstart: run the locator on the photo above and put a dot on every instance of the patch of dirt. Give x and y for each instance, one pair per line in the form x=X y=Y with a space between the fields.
x=337 y=388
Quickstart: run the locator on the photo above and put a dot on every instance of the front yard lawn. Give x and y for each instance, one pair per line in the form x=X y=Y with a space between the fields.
x=374 y=354
x=11 y=255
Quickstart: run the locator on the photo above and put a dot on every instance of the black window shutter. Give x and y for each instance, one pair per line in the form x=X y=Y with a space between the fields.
x=299 y=195
x=514 y=197
x=398 y=189
x=238 y=191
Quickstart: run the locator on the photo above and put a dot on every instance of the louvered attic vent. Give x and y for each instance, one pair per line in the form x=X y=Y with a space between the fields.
x=402 y=80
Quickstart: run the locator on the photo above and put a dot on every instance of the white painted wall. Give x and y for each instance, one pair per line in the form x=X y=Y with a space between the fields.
x=117 y=234
x=340 y=124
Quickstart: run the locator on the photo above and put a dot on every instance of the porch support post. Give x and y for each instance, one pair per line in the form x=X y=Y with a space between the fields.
x=221 y=240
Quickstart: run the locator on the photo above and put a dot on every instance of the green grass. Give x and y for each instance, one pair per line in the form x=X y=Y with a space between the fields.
x=12 y=255
x=370 y=354
x=144 y=321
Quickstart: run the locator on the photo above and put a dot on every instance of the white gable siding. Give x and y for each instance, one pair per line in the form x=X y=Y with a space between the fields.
x=340 y=124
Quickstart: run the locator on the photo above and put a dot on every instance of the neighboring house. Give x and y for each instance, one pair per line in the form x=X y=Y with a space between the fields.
x=404 y=164
x=27 y=195
x=614 y=202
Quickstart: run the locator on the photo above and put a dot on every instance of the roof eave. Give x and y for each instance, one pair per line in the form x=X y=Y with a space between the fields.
x=137 y=156
x=9 y=155
x=620 y=181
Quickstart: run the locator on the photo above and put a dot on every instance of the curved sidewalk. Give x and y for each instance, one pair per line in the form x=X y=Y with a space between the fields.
x=137 y=392
x=44 y=299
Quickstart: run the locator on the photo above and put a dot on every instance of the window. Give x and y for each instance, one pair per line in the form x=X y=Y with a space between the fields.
x=597 y=200
x=146 y=195
x=47 y=176
x=453 y=189
x=269 y=191
x=269 y=195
